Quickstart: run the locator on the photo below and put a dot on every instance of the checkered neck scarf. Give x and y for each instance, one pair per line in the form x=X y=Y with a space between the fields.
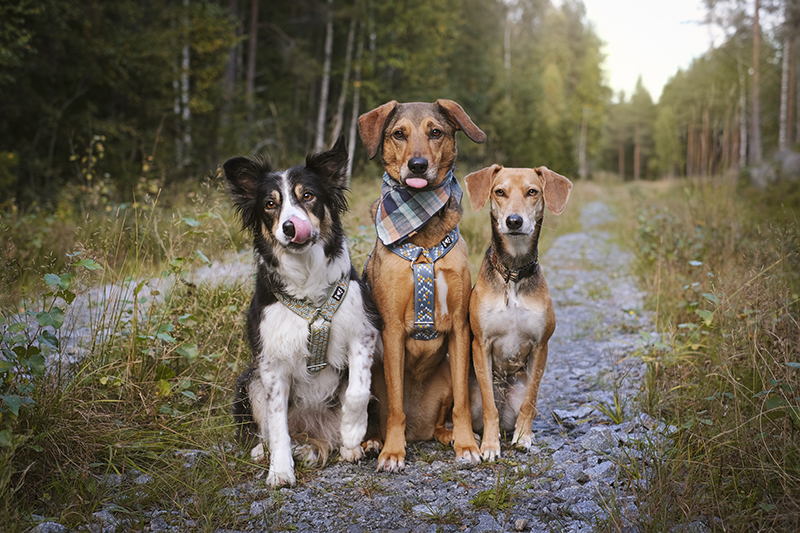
x=404 y=210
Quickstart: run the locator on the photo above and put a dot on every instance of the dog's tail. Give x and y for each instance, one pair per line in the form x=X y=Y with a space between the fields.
x=246 y=426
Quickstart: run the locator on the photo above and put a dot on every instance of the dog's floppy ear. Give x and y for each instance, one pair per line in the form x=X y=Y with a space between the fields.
x=479 y=185
x=556 y=190
x=372 y=124
x=460 y=117
x=242 y=175
x=332 y=167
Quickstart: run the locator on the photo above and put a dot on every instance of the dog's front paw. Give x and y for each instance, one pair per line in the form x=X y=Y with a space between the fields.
x=522 y=440
x=277 y=479
x=468 y=454
x=490 y=452
x=351 y=455
x=392 y=462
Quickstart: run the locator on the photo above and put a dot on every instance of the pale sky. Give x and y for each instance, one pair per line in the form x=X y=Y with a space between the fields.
x=653 y=38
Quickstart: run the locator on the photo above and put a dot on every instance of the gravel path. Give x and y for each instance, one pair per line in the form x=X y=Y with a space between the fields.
x=571 y=479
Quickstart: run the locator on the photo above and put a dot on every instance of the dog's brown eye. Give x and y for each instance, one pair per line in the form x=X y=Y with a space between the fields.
x=435 y=133
x=499 y=192
x=307 y=196
x=271 y=204
x=533 y=192
x=399 y=135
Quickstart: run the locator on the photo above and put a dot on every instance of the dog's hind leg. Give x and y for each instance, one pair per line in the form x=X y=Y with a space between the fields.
x=246 y=426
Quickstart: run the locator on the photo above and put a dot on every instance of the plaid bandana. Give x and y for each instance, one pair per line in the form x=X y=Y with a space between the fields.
x=403 y=210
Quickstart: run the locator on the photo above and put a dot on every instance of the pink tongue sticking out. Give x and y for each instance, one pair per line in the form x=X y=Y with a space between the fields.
x=417 y=183
x=302 y=230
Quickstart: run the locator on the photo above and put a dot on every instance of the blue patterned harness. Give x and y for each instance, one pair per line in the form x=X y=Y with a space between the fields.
x=424 y=329
x=319 y=330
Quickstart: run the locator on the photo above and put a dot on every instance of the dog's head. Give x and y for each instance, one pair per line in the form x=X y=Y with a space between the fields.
x=518 y=196
x=417 y=140
x=292 y=208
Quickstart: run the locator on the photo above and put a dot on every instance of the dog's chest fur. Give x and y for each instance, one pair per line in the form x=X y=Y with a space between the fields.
x=512 y=330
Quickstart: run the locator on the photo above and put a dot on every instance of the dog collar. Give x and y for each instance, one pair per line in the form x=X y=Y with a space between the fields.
x=424 y=329
x=512 y=274
x=402 y=210
x=319 y=330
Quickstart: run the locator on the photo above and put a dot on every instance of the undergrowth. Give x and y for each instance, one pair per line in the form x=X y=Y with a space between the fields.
x=721 y=266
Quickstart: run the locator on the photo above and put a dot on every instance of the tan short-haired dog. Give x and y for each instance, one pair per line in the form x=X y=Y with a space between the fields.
x=511 y=313
x=415 y=386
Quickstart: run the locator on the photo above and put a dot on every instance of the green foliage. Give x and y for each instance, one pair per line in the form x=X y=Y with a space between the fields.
x=722 y=270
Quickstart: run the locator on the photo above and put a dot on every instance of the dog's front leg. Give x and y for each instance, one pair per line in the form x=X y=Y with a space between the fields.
x=523 y=432
x=490 y=445
x=393 y=455
x=356 y=397
x=276 y=390
x=463 y=439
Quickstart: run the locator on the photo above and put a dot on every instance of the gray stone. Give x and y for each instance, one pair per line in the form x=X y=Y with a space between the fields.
x=597 y=439
x=520 y=525
x=143 y=479
x=49 y=527
x=487 y=524
x=158 y=524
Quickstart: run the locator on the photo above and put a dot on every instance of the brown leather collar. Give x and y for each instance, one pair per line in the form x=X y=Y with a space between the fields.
x=516 y=274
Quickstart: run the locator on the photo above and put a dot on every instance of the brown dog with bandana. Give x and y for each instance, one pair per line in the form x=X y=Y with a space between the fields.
x=420 y=280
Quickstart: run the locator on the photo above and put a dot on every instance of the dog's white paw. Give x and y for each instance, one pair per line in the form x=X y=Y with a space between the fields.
x=258 y=453
x=276 y=479
x=351 y=455
x=523 y=441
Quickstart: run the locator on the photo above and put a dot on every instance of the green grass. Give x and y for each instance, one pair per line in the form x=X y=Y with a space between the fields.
x=721 y=267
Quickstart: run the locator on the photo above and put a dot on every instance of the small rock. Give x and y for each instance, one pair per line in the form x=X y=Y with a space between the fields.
x=143 y=479
x=49 y=527
x=598 y=438
x=487 y=524
x=520 y=524
x=158 y=524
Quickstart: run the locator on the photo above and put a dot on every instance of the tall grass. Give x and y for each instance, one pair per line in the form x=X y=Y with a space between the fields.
x=721 y=264
x=152 y=376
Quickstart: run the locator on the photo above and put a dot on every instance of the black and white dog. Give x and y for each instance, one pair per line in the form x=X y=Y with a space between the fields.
x=312 y=324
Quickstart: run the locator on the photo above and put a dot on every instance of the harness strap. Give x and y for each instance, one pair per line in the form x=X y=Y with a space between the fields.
x=319 y=330
x=424 y=281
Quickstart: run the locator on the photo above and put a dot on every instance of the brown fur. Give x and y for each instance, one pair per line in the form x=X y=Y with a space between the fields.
x=415 y=386
x=512 y=322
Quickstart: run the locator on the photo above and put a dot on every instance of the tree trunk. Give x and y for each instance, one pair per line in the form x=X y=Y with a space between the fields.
x=351 y=144
x=338 y=119
x=783 y=141
x=621 y=160
x=250 y=94
x=790 y=137
x=186 y=115
x=637 y=152
x=755 y=123
x=229 y=82
x=583 y=171
x=326 y=81
x=507 y=55
x=742 y=118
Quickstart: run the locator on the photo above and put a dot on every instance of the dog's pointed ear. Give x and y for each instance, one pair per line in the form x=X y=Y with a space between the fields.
x=242 y=175
x=479 y=186
x=332 y=167
x=372 y=124
x=462 y=120
x=556 y=190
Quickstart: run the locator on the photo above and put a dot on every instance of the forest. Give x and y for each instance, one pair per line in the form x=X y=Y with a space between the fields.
x=116 y=115
x=101 y=100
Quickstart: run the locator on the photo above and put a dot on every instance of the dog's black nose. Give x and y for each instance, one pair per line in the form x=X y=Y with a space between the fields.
x=514 y=222
x=418 y=165
x=288 y=228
